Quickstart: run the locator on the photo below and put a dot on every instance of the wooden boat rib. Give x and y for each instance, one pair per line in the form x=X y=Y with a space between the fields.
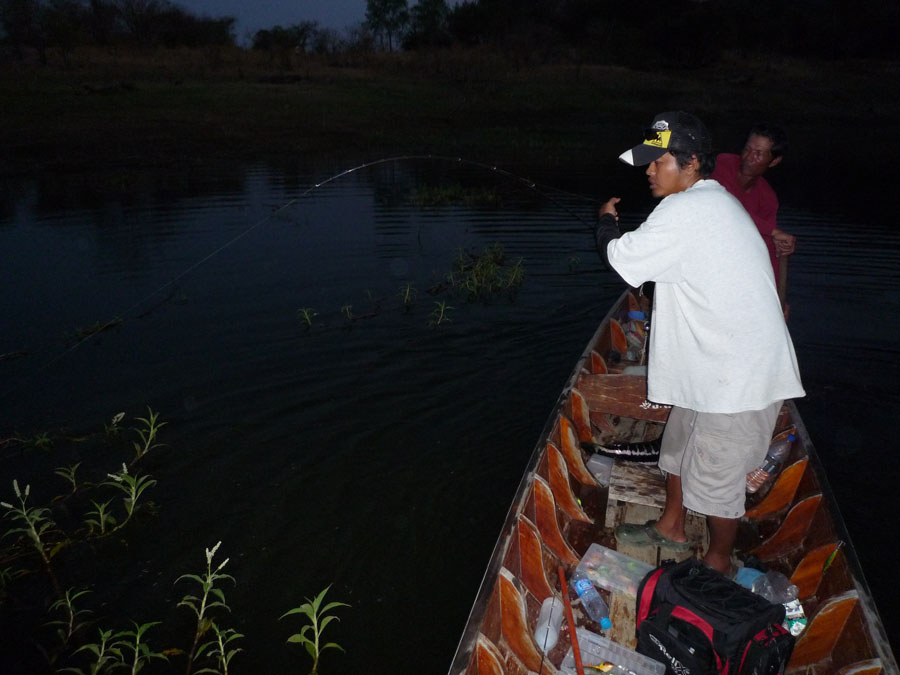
x=559 y=509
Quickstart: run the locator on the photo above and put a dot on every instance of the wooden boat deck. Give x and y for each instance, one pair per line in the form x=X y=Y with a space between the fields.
x=559 y=510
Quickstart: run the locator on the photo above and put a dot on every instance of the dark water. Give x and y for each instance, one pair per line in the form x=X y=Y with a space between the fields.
x=378 y=455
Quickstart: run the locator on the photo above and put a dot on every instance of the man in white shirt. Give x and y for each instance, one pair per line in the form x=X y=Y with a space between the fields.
x=720 y=352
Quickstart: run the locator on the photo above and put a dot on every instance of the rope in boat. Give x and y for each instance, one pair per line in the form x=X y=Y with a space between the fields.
x=531 y=185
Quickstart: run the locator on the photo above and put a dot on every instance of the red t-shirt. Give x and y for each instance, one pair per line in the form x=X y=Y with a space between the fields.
x=760 y=201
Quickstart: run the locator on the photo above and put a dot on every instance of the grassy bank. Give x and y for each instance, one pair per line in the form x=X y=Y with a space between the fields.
x=166 y=107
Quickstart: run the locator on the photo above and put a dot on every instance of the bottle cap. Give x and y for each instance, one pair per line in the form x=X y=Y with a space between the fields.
x=605 y=623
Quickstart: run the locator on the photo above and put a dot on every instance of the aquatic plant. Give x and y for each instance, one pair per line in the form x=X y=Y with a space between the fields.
x=147 y=434
x=481 y=275
x=407 y=296
x=515 y=275
x=318 y=618
x=40 y=441
x=106 y=652
x=132 y=486
x=201 y=605
x=68 y=472
x=35 y=521
x=347 y=310
x=71 y=622
x=219 y=650
x=439 y=314
x=141 y=654
x=306 y=314
x=101 y=518
x=112 y=429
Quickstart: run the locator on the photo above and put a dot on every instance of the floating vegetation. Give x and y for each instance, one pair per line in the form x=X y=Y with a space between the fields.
x=453 y=193
x=306 y=315
x=482 y=275
x=475 y=275
x=37 y=533
x=318 y=618
x=408 y=296
x=147 y=434
x=439 y=314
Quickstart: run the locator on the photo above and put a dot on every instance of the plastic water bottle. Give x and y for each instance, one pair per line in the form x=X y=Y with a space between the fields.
x=546 y=634
x=778 y=452
x=591 y=599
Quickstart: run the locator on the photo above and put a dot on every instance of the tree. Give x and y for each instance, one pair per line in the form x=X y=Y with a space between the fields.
x=429 y=26
x=387 y=18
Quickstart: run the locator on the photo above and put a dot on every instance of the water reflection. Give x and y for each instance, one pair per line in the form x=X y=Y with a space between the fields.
x=377 y=454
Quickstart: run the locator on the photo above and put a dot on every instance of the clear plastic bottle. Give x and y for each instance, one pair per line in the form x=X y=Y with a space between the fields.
x=778 y=452
x=546 y=634
x=591 y=600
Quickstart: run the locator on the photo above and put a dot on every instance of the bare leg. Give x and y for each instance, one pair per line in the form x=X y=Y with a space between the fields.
x=722 y=533
x=671 y=523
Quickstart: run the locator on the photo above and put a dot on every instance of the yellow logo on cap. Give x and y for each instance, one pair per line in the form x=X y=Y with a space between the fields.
x=660 y=140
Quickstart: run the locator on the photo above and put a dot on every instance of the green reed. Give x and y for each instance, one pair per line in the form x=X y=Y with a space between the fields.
x=220 y=649
x=211 y=598
x=112 y=429
x=132 y=486
x=147 y=434
x=68 y=472
x=71 y=622
x=439 y=314
x=306 y=315
x=35 y=521
x=106 y=653
x=310 y=636
x=100 y=518
x=133 y=641
x=407 y=296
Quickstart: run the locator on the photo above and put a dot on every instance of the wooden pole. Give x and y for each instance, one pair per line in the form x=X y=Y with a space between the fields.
x=579 y=667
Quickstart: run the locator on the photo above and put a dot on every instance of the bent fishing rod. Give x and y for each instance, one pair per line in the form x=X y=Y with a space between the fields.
x=541 y=190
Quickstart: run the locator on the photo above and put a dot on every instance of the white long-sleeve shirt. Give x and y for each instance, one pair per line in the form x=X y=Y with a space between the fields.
x=718 y=340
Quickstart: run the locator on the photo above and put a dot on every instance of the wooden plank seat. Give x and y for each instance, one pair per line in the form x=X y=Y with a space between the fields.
x=808 y=574
x=515 y=625
x=624 y=395
x=558 y=476
x=782 y=493
x=488 y=659
x=867 y=667
x=531 y=560
x=792 y=533
x=548 y=525
x=571 y=450
x=818 y=642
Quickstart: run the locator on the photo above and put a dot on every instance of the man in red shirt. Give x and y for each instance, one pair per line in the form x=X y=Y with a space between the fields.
x=742 y=176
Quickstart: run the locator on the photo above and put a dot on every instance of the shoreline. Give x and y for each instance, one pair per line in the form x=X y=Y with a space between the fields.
x=160 y=109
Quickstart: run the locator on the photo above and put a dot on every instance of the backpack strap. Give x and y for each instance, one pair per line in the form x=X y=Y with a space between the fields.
x=645 y=595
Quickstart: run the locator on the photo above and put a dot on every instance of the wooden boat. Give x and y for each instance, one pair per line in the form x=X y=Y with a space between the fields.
x=560 y=508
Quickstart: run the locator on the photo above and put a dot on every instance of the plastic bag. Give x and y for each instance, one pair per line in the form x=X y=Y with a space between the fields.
x=775 y=587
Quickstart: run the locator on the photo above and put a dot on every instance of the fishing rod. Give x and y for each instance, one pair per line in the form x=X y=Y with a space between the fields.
x=537 y=188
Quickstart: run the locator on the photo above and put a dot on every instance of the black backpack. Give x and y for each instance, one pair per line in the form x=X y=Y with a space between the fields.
x=699 y=622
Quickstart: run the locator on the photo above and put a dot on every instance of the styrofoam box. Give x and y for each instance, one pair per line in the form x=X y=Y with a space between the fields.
x=596 y=650
x=614 y=571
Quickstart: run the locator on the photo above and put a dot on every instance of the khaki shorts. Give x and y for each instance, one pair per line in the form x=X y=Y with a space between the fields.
x=713 y=453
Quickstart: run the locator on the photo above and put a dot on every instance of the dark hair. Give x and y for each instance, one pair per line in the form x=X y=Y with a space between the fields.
x=707 y=160
x=774 y=133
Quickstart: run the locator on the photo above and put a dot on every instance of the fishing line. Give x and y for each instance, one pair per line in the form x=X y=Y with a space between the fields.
x=531 y=185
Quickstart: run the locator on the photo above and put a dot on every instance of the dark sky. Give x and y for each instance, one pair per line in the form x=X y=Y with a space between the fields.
x=253 y=15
